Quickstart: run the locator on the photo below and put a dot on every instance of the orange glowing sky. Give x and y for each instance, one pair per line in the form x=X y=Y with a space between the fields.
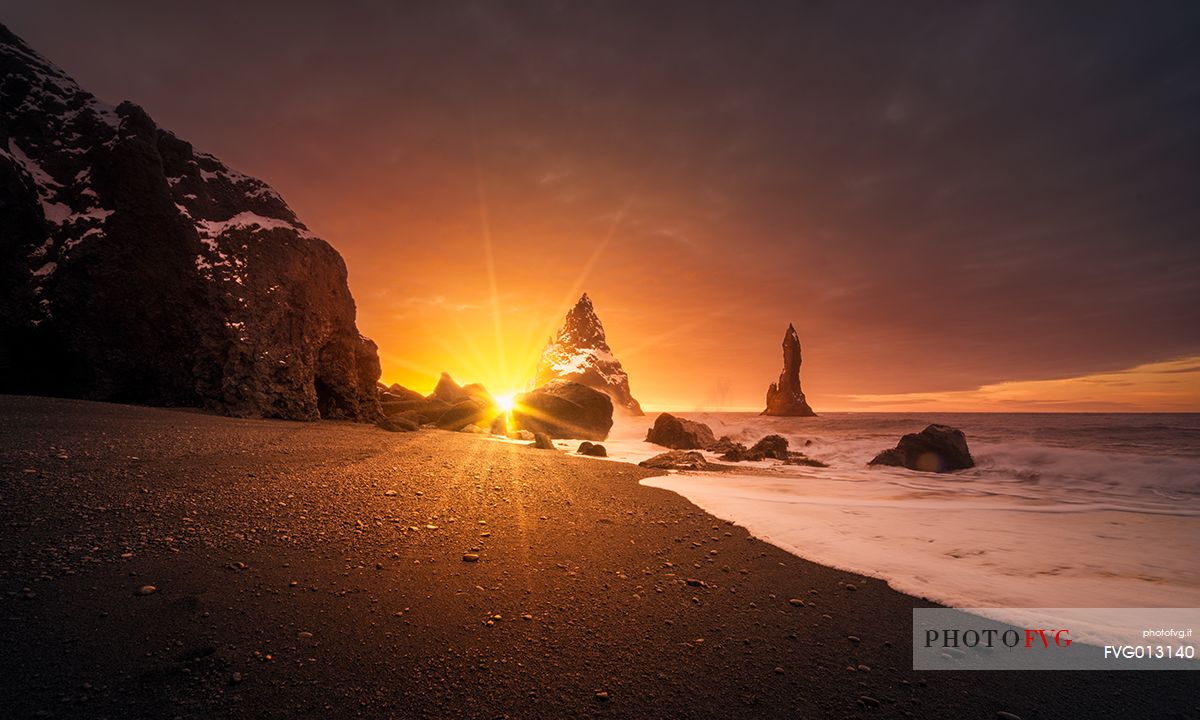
x=993 y=211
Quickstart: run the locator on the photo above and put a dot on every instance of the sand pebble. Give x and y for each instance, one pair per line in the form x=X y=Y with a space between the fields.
x=146 y=590
x=470 y=557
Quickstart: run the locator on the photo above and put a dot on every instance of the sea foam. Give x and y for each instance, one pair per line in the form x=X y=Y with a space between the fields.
x=1061 y=510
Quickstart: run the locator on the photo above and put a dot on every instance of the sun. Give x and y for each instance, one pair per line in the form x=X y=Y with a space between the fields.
x=505 y=402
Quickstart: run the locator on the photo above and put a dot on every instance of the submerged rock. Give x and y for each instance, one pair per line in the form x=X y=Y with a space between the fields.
x=785 y=397
x=677 y=460
x=799 y=458
x=680 y=434
x=564 y=409
x=937 y=448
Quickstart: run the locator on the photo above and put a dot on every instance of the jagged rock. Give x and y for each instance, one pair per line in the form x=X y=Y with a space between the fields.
x=580 y=353
x=677 y=460
x=398 y=393
x=476 y=390
x=937 y=448
x=592 y=449
x=134 y=268
x=785 y=397
x=564 y=409
x=520 y=435
x=680 y=434
x=398 y=398
x=542 y=441
x=447 y=390
x=499 y=425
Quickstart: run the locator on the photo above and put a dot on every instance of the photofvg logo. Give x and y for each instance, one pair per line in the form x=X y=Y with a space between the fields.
x=1029 y=638
x=1055 y=638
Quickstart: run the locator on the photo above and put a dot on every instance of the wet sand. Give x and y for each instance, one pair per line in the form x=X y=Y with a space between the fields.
x=317 y=570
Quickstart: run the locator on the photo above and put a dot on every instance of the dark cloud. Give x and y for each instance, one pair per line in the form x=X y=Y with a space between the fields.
x=940 y=195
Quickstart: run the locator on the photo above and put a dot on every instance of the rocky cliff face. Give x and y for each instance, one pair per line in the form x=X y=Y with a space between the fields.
x=785 y=397
x=580 y=353
x=134 y=268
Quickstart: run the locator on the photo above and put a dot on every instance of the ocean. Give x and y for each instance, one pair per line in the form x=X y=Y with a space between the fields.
x=1061 y=511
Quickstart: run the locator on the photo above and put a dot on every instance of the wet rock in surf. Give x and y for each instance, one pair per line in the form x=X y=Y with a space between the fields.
x=677 y=460
x=771 y=446
x=680 y=434
x=724 y=445
x=937 y=448
x=593 y=449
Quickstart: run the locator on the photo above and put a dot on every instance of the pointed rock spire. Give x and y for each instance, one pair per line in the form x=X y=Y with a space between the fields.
x=580 y=352
x=785 y=397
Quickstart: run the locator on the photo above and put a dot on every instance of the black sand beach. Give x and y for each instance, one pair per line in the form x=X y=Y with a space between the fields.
x=321 y=570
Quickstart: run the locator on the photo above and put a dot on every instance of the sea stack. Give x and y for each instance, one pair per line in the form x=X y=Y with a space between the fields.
x=785 y=397
x=137 y=269
x=580 y=353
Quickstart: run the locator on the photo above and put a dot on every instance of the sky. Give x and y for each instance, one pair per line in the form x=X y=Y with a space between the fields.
x=974 y=206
